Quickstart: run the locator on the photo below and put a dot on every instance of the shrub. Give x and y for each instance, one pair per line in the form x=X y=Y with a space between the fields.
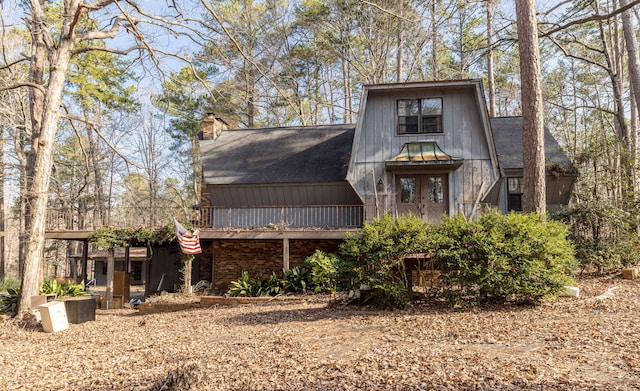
x=605 y=236
x=295 y=280
x=522 y=257
x=324 y=271
x=9 y=301
x=374 y=257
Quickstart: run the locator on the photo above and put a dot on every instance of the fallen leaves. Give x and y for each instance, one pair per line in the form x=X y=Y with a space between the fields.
x=567 y=344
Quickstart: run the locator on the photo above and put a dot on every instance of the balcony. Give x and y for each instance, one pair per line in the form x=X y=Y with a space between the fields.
x=214 y=218
x=283 y=217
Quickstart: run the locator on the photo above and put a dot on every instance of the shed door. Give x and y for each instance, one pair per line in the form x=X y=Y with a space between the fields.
x=426 y=196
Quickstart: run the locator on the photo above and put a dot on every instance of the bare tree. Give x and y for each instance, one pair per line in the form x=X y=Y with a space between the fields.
x=49 y=60
x=634 y=70
x=534 y=192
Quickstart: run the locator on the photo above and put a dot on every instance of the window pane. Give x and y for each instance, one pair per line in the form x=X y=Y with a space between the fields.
x=408 y=114
x=514 y=185
x=408 y=190
x=515 y=202
x=432 y=106
x=431 y=115
x=408 y=107
x=408 y=124
x=431 y=124
x=436 y=193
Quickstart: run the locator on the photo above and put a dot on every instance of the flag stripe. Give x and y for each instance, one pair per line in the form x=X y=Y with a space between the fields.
x=189 y=243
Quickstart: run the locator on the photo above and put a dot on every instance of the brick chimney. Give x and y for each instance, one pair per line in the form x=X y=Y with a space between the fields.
x=212 y=126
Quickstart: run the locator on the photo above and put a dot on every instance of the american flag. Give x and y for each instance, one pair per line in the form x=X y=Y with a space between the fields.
x=189 y=242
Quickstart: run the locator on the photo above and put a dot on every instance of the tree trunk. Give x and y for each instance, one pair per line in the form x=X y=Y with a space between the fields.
x=400 y=42
x=99 y=213
x=188 y=263
x=534 y=191
x=2 y=233
x=620 y=125
x=434 y=42
x=111 y=261
x=634 y=79
x=43 y=163
x=36 y=107
x=490 y=79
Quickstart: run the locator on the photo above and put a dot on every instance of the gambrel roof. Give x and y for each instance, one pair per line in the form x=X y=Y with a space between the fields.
x=299 y=154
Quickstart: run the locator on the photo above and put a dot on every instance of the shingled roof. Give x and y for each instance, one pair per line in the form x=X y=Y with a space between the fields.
x=507 y=135
x=278 y=155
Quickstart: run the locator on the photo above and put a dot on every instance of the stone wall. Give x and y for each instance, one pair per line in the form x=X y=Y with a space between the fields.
x=225 y=260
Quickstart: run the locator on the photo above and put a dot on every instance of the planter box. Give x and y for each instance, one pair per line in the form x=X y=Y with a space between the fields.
x=80 y=309
x=116 y=303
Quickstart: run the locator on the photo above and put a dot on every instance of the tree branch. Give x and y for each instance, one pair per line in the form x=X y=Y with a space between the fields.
x=96 y=35
x=16 y=62
x=23 y=84
x=122 y=52
x=592 y=18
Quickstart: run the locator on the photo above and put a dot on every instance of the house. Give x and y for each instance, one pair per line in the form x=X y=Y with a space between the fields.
x=132 y=260
x=272 y=196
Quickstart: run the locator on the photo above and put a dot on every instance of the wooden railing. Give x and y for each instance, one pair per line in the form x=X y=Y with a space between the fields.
x=321 y=216
x=74 y=220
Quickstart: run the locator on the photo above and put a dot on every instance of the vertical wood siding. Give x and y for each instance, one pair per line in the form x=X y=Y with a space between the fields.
x=464 y=136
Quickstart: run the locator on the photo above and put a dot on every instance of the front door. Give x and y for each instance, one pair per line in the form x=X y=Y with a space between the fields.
x=426 y=196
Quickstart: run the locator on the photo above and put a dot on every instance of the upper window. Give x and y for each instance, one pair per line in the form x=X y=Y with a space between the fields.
x=420 y=115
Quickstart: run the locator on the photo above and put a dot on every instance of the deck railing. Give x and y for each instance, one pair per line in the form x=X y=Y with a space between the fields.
x=319 y=216
x=74 y=220
x=322 y=216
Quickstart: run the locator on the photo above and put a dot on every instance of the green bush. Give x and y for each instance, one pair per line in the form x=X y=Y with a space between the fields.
x=324 y=271
x=374 y=257
x=521 y=257
x=295 y=280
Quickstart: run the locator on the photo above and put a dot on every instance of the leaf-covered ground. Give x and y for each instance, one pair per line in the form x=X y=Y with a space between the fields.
x=590 y=343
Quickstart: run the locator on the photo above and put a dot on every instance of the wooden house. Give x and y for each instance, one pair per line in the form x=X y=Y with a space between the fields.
x=272 y=196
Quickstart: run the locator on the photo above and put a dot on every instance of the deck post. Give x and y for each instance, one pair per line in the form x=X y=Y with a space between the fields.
x=285 y=253
x=85 y=260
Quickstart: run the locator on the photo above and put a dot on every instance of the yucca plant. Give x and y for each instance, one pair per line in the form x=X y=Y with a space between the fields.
x=68 y=288
x=296 y=279
x=9 y=301
x=50 y=287
x=241 y=287
x=71 y=289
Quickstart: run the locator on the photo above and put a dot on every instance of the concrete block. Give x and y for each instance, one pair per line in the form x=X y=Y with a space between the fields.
x=54 y=316
x=570 y=291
